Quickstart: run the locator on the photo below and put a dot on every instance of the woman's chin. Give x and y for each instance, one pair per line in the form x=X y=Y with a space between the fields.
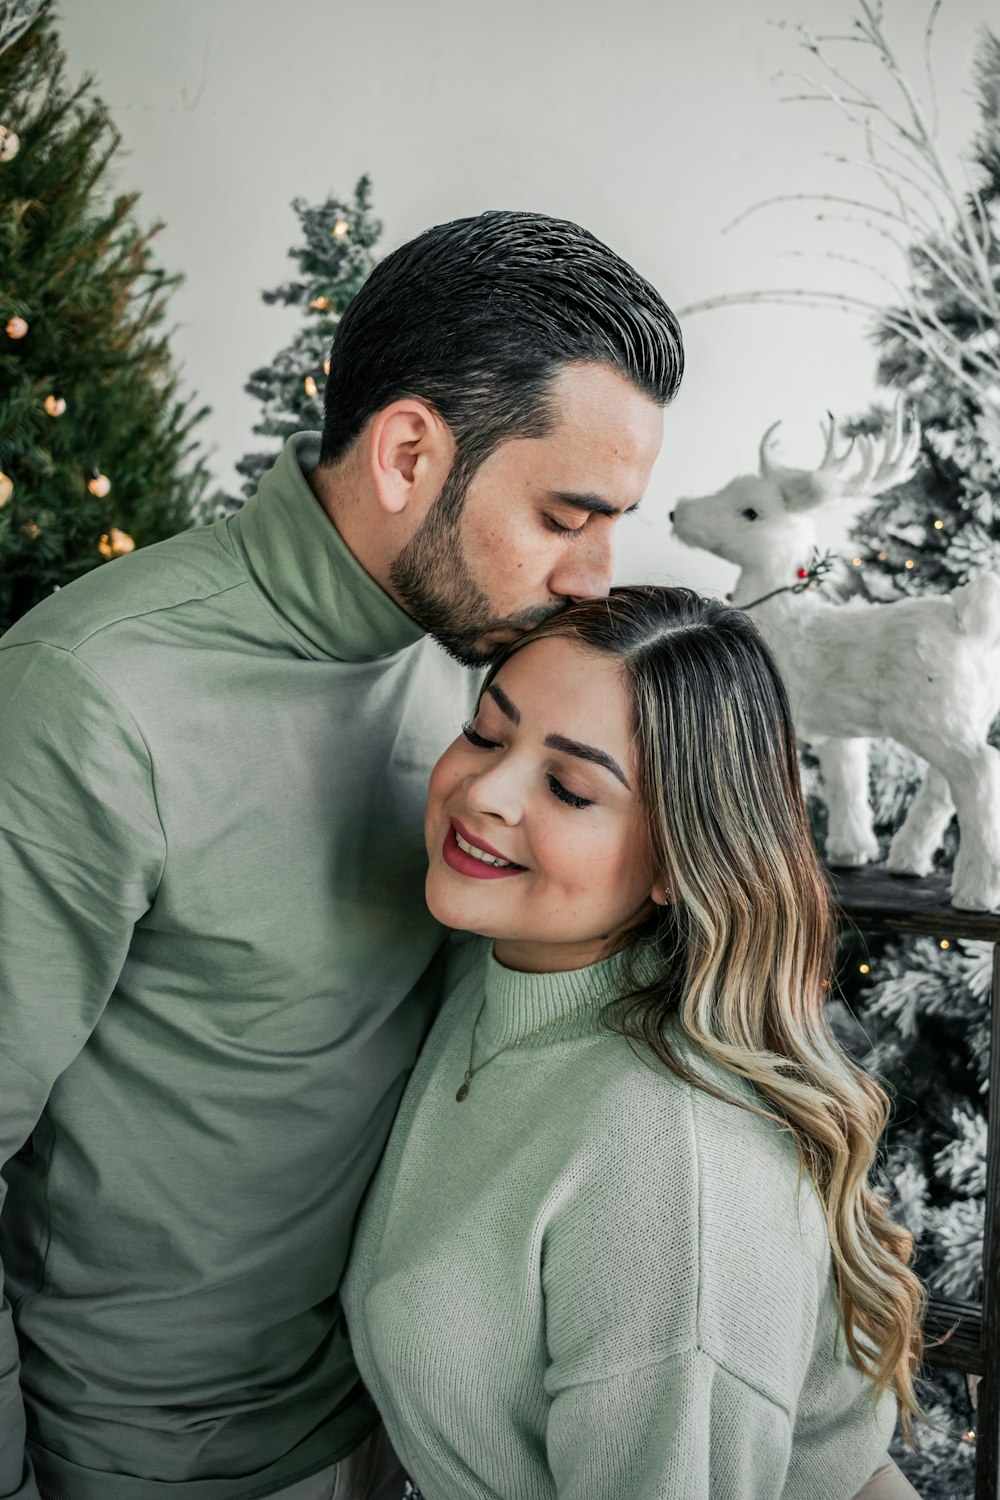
x=446 y=906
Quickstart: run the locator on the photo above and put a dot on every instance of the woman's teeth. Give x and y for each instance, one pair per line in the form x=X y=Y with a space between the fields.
x=487 y=859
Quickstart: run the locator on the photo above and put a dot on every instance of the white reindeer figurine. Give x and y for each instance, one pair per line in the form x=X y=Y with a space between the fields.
x=922 y=671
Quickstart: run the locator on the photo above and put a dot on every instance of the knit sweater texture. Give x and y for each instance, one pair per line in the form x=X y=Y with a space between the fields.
x=213 y=942
x=592 y=1280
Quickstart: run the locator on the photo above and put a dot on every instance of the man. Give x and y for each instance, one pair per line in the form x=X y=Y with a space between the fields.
x=215 y=961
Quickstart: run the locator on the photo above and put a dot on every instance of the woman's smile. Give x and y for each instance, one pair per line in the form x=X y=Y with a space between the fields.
x=473 y=857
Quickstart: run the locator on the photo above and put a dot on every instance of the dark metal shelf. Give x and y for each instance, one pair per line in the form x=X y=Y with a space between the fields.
x=901 y=903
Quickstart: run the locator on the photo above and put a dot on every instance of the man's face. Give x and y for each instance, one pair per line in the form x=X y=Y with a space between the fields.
x=536 y=529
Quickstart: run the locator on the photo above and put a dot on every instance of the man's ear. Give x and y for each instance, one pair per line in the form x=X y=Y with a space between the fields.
x=410 y=452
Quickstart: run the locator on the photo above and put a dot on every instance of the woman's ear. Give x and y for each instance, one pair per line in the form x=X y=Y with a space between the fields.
x=410 y=453
x=659 y=893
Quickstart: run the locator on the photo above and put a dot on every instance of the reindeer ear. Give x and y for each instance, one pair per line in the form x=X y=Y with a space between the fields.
x=803 y=489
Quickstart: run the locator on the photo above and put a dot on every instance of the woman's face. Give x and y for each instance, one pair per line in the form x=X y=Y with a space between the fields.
x=544 y=779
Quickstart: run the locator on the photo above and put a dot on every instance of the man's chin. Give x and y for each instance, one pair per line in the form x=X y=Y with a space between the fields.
x=480 y=651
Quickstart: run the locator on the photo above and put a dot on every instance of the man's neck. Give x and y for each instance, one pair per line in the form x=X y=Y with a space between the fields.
x=341 y=497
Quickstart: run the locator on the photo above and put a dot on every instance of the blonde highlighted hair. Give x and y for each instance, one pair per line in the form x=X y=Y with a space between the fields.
x=747 y=938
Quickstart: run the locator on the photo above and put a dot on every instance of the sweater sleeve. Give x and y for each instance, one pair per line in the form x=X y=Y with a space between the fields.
x=81 y=851
x=680 y=1426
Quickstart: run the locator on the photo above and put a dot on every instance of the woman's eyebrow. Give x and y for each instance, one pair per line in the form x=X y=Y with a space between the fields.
x=560 y=741
x=504 y=704
x=588 y=752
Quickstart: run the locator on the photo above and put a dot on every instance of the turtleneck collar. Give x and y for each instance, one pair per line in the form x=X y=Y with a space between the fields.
x=566 y=1004
x=306 y=572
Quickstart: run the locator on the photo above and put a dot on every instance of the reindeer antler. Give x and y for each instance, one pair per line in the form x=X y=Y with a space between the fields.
x=885 y=461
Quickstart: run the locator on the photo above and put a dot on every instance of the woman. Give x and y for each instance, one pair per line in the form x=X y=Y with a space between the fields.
x=622 y=1243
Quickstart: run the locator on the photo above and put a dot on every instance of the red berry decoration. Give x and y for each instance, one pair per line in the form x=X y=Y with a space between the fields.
x=803 y=572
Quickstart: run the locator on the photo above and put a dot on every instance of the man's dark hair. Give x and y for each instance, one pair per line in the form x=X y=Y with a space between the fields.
x=477 y=316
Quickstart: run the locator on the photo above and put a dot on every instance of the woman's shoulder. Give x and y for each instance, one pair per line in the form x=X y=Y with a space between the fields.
x=696 y=1209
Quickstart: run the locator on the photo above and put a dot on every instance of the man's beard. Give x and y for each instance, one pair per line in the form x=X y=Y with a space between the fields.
x=433 y=582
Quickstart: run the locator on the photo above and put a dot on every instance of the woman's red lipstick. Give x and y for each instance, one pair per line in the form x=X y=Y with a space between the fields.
x=467 y=864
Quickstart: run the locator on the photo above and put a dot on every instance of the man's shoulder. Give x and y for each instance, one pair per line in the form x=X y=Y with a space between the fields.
x=190 y=567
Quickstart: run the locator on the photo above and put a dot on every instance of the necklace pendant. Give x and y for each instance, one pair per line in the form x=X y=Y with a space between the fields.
x=463 y=1093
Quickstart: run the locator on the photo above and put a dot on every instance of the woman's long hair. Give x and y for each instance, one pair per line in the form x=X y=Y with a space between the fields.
x=747 y=938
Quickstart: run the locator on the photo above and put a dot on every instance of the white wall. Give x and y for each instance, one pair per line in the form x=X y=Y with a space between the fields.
x=652 y=122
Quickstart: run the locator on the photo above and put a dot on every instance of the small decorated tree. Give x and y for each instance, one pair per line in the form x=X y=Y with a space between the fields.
x=96 y=451
x=333 y=260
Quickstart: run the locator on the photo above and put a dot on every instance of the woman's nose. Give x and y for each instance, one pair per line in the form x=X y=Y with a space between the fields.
x=495 y=794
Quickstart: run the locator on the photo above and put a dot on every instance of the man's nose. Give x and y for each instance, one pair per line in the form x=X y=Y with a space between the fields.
x=586 y=574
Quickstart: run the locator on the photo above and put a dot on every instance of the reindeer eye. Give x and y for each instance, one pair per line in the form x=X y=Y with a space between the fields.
x=750 y=513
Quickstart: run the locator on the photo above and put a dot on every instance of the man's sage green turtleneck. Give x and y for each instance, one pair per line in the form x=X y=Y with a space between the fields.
x=213 y=762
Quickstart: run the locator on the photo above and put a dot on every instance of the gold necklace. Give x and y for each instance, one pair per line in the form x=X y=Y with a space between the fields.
x=470 y=1072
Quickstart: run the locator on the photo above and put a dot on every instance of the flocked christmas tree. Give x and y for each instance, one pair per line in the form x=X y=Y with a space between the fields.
x=96 y=452
x=334 y=260
x=917 y=1012
x=928 y=1006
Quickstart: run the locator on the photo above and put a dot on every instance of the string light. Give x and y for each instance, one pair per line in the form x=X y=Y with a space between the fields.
x=909 y=563
x=115 y=543
x=55 y=405
x=864 y=968
x=321 y=304
x=856 y=562
x=882 y=556
x=310 y=386
x=16 y=328
x=6 y=488
x=938 y=525
x=10 y=143
x=340 y=229
x=99 y=485
x=32 y=529
x=944 y=943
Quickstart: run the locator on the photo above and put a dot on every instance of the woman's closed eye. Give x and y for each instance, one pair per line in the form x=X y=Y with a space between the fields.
x=480 y=742
x=564 y=795
x=554 y=784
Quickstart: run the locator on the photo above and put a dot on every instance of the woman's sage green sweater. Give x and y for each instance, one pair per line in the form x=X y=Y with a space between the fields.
x=591 y=1280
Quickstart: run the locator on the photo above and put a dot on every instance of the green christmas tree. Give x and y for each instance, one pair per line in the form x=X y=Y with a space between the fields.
x=96 y=448
x=334 y=260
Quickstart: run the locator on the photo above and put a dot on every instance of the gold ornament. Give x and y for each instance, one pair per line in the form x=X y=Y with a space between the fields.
x=326 y=367
x=340 y=229
x=55 y=405
x=16 y=328
x=9 y=143
x=6 y=488
x=321 y=304
x=115 y=543
x=310 y=386
x=100 y=485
